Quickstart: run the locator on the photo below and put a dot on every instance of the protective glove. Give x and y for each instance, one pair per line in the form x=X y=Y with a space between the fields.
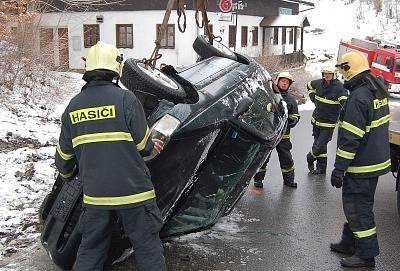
x=337 y=178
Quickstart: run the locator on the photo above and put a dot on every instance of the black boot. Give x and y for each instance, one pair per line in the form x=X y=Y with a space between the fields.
x=341 y=248
x=321 y=166
x=310 y=162
x=347 y=244
x=290 y=184
x=258 y=179
x=355 y=261
x=288 y=179
x=318 y=171
x=258 y=184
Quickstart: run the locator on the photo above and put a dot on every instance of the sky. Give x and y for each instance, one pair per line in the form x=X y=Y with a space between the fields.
x=27 y=173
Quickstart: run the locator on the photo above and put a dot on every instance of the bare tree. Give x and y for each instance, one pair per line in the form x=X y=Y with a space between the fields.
x=27 y=49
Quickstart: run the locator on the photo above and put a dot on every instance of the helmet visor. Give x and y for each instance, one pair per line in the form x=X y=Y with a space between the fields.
x=343 y=66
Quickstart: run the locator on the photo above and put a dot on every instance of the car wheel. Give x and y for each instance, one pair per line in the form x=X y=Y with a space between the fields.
x=41 y=212
x=205 y=50
x=137 y=77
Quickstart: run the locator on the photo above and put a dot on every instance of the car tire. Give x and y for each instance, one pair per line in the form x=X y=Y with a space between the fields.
x=205 y=50
x=136 y=77
x=42 y=216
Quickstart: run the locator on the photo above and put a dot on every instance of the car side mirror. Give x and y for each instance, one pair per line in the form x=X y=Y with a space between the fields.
x=243 y=106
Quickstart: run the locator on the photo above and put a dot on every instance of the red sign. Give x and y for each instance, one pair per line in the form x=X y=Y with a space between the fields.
x=225 y=5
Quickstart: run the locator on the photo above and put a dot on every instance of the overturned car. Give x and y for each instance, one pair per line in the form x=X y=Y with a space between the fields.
x=220 y=119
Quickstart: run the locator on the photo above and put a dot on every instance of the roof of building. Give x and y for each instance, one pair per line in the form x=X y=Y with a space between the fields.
x=285 y=21
x=307 y=3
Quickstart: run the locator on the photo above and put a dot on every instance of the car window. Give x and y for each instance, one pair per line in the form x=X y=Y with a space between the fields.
x=378 y=58
x=219 y=184
x=397 y=66
x=389 y=63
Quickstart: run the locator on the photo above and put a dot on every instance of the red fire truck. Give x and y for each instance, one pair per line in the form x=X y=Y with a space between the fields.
x=383 y=58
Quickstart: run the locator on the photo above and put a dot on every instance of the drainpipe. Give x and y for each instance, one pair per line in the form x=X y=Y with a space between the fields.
x=236 y=28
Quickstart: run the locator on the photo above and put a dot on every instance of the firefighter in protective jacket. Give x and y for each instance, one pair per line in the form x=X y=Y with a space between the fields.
x=283 y=81
x=362 y=156
x=104 y=135
x=328 y=95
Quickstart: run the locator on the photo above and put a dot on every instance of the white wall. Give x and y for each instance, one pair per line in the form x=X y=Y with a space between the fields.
x=221 y=28
x=280 y=49
x=144 y=33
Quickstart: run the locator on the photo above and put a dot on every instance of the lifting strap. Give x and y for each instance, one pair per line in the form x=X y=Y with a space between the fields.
x=181 y=11
x=202 y=7
x=161 y=32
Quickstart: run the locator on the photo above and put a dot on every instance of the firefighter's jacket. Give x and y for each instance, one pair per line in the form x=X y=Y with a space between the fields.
x=328 y=100
x=104 y=134
x=293 y=112
x=363 y=138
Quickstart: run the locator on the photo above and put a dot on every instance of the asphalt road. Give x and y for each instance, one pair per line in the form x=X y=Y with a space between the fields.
x=277 y=228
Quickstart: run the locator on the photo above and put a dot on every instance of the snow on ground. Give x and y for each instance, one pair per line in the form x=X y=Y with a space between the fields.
x=307 y=106
x=28 y=135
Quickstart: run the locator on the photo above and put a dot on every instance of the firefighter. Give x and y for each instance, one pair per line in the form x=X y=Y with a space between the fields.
x=104 y=134
x=362 y=156
x=283 y=81
x=328 y=95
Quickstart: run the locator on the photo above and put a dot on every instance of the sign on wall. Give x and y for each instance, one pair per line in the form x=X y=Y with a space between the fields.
x=239 y=5
x=225 y=5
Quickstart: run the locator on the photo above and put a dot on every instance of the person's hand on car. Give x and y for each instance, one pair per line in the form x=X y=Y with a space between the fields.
x=158 y=146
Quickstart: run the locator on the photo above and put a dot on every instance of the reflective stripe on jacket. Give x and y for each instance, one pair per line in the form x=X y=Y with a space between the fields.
x=293 y=112
x=104 y=134
x=328 y=100
x=363 y=137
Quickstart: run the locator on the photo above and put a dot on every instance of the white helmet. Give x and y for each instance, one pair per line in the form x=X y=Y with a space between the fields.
x=286 y=75
x=329 y=69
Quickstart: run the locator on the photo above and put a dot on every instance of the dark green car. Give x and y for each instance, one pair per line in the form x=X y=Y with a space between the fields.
x=220 y=117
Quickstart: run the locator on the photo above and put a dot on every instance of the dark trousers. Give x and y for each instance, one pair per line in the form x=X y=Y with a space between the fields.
x=322 y=136
x=358 y=202
x=141 y=224
x=285 y=160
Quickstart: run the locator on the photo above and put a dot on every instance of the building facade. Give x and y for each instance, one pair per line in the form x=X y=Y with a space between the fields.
x=251 y=27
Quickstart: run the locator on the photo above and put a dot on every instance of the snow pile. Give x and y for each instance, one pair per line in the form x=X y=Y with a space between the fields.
x=28 y=135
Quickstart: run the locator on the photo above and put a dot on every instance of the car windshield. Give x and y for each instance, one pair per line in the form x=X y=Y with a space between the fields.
x=397 y=65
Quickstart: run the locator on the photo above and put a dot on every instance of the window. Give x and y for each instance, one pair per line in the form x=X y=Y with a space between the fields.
x=124 y=36
x=397 y=69
x=255 y=36
x=285 y=11
x=389 y=63
x=378 y=58
x=291 y=35
x=276 y=34
x=232 y=36
x=167 y=40
x=244 y=36
x=283 y=35
x=46 y=37
x=91 y=34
